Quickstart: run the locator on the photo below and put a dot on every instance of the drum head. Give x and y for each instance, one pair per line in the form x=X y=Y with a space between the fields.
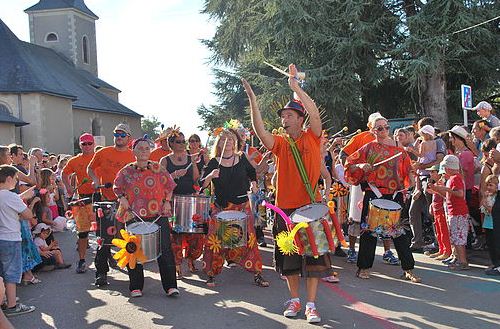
x=142 y=228
x=229 y=215
x=309 y=213
x=385 y=204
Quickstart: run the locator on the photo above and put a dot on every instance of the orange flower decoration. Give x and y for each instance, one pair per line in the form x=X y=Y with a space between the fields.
x=214 y=243
x=130 y=252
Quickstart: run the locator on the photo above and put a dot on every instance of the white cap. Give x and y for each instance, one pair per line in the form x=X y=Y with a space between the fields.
x=40 y=227
x=427 y=129
x=451 y=162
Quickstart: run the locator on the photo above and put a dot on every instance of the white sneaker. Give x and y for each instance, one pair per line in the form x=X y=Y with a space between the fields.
x=173 y=292
x=136 y=293
x=312 y=315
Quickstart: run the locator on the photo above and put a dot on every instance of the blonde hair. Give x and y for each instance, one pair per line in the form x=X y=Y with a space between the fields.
x=491 y=179
x=217 y=149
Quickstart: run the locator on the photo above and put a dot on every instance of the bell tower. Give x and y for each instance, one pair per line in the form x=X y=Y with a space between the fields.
x=68 y=27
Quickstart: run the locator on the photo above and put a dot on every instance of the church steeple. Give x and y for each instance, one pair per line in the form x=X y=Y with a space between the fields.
x=67 y=26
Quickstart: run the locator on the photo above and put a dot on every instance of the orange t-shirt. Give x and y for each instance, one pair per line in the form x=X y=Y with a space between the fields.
x=358 y=141
x=258 y=157
x=158 y=153
x=78 y=165
x=108 y=161
x=290 y=190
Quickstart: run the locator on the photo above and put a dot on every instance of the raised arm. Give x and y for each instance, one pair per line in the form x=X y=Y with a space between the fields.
x=309 y=105
x=258 y=124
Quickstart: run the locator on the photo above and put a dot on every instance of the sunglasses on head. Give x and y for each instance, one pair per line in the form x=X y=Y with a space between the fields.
x=122 y=135
x=87 y=144
x=180 y=142
x=382 y=128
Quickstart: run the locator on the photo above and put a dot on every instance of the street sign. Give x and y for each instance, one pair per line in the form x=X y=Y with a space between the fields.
x=466 y=97
x=466 y=101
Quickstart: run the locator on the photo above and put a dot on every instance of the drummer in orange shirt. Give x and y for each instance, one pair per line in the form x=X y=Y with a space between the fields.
x=102 y=169
x=78 y=165
x=163 y=149
x=291 y=192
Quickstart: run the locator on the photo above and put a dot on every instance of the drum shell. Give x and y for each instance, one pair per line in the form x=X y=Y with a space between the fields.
x=381 y=217
x=232 y=228
x=314 y=215
x=151 y=241
x=187 y=206
x=107 y=224
x=355 y=198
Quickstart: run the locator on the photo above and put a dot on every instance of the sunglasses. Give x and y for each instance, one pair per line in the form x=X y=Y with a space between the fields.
x=382 y=128
x=122 y=135
x=180 y=142
x=87 y=144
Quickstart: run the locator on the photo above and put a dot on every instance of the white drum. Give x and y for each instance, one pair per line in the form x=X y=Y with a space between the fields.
x=355 y=200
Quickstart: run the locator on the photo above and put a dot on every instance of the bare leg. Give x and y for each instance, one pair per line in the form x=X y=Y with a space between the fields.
x=387 y=244
x=10 y=291
x=312 y=289
x=352 y=241
x=461 y=254
x=293 y=285
x=59 y=257
x=82 y=247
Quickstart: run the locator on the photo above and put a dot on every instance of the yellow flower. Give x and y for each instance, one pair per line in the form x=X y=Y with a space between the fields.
x=130 y=252
x=214 y=243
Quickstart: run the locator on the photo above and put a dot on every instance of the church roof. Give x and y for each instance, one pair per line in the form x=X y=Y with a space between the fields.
x=62 y=4
x=27 y=68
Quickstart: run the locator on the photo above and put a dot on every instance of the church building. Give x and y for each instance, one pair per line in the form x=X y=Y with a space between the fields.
x=50 y=92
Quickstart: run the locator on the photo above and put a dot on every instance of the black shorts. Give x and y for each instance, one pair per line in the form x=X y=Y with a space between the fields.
x=306 y=266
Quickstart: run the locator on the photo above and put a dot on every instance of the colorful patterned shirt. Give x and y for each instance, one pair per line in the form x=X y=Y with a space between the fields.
x=389 y=177
x=145 y=189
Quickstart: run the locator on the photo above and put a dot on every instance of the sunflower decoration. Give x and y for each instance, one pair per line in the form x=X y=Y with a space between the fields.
x=286 y=240
x=214 y=243
x=173 y=131
x=338 y=189
x=130 y=252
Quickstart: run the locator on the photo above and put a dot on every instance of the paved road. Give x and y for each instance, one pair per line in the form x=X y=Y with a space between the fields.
x=445 y=300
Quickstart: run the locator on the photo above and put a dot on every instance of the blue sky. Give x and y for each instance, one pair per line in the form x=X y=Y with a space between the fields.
x=150 y=50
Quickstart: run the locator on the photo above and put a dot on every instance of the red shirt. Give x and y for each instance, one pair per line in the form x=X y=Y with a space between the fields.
x=457 y=206
x=466 y=158
x=145 y=189
x=158 y=153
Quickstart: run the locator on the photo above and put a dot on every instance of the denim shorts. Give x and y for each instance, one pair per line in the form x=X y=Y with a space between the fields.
x=11 y=262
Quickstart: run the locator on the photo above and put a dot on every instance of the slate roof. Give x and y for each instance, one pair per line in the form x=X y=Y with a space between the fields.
x=26 y=68
x=62 y=4
x=8 y=118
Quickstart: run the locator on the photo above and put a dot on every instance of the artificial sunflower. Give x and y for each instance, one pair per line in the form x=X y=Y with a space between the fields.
x=130 y=252
x=286 y=240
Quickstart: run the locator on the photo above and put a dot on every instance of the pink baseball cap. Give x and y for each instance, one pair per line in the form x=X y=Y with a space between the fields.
x=86 y=138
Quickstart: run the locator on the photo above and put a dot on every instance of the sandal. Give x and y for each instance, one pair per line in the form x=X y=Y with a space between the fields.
x=33 y=280
x=363 y=273
x=410 y=276
x=334 y=278
x=191 y=267
x=210 y=282
x=260 y=281
x=178 y=271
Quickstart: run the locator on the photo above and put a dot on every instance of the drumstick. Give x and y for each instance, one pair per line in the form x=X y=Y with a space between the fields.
x=299 y=76
x=222 y=153
x=189 y=166
x=388 y=159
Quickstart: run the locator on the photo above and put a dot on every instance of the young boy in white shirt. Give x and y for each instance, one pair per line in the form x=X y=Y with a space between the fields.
x=12 y=210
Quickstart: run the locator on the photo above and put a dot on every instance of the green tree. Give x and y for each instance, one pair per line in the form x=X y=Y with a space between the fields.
x=151 y=126
x=398 y=57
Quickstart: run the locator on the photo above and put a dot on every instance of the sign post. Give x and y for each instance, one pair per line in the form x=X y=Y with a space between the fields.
x=466 y=101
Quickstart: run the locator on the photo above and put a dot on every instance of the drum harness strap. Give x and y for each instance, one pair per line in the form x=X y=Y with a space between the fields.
x=302 y=171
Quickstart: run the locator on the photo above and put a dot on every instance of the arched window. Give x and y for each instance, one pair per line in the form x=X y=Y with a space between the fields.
x=4 y=109
x=96 y=127
x=51 y=37
x=85 y=48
